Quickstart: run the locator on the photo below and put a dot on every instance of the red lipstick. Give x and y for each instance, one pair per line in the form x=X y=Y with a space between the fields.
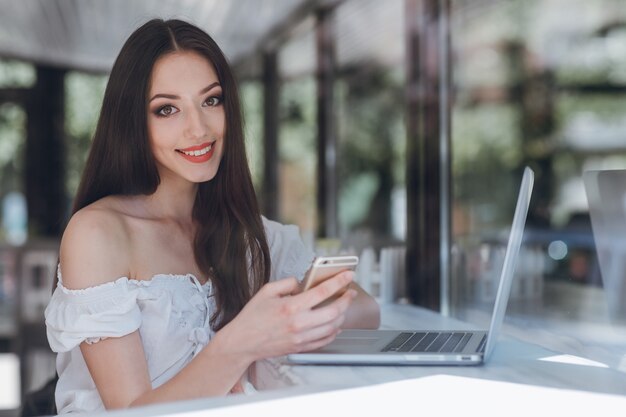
x=199 y=153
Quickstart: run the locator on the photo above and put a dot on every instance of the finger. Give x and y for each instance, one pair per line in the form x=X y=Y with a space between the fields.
x=339 y=304
x=321 y=292
x=319 y=343
x=326 y=314
x=281 y=287
x=318 y=333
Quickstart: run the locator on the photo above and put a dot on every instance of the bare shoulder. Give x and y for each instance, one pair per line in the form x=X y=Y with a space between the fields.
x=95 y=246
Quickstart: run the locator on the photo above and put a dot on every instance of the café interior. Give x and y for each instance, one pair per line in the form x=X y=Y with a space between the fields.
x=396 y=131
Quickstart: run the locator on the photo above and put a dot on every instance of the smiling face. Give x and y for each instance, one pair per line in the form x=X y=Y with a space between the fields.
x=185 y=115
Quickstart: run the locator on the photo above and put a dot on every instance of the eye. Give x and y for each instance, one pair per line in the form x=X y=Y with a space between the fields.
x=213 y=101
x=166 y=110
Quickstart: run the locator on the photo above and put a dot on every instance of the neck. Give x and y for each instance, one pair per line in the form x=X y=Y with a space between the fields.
x=173 y=200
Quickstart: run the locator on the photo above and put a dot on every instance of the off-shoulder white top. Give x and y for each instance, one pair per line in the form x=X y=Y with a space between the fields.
x=172 y=314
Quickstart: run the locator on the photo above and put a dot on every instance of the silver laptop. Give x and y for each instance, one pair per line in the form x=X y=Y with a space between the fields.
x=430 y=347
x=606 y=195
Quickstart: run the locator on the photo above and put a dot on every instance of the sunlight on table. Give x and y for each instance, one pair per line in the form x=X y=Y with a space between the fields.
x=445 y=394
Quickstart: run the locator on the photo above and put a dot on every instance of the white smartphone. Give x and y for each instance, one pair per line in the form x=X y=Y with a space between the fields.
x=324 y=267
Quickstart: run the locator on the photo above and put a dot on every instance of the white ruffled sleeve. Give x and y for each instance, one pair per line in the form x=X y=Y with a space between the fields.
x=290 y=257
x=91 y=314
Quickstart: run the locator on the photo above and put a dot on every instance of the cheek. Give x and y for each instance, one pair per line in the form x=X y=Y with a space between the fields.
x=153 y=135
x=161 y=135
x=159 y=150
x=218 y=122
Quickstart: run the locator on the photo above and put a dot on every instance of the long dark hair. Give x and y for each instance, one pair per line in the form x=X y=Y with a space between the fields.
x=230 y=245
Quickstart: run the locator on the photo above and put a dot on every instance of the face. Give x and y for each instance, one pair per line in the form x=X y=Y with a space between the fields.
x=186 y=120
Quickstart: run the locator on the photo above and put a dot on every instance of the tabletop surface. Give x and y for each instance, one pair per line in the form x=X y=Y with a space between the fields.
x=512 y=361
x=522 y=377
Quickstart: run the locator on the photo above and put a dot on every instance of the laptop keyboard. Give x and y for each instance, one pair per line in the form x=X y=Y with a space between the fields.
x=429 y=342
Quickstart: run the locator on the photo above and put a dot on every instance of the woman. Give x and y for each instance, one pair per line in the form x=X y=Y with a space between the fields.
x=170 y=282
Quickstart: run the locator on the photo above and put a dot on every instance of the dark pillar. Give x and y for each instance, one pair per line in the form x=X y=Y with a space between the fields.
x=17 y=95
x=427 y=154
x=327 y=222
x=45 y=154
x=271 y=95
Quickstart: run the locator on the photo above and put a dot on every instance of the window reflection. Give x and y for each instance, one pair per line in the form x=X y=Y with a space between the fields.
x=538 y=84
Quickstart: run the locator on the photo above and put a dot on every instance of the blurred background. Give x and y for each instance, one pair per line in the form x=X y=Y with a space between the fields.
x=395 y=130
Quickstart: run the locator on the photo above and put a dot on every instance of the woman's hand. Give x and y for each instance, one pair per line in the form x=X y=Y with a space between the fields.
x=276 y=322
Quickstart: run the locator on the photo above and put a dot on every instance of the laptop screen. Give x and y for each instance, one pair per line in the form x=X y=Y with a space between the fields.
x=510 y=260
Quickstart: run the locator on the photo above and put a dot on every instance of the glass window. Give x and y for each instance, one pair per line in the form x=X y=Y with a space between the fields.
x=13 y=74
x=251 y=92
x=298 y=153
x=83 y=100
x=297 y=145
x=16 y=74
x=538 y=83
x=371 y=166
x=371 y=134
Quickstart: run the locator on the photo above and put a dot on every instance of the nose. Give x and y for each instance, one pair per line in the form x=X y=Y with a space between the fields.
x=195 y=124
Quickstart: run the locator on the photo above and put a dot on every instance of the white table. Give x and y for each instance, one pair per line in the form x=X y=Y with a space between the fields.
x=512 y=361
x=520 y=379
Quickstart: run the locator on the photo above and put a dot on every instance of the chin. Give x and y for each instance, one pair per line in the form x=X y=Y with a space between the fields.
x=205 y=177
x=199 y=180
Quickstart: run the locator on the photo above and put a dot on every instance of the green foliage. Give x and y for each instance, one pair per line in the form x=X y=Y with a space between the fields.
x=485 y=135
x=13 y=74
x=487 y=149
x=608 y=108
x=372 y=144
x=83 y=100
x=297 y=151
x=12 y=139
x=298 y=116
x=252 y=108
x=16 y=74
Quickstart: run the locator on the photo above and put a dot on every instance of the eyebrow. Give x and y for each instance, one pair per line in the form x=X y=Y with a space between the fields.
x=173 y=96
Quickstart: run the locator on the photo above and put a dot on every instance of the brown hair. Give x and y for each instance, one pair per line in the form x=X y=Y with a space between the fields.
x=230 y=245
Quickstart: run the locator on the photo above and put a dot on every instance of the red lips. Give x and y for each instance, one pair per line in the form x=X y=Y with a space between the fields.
x=198 y=158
